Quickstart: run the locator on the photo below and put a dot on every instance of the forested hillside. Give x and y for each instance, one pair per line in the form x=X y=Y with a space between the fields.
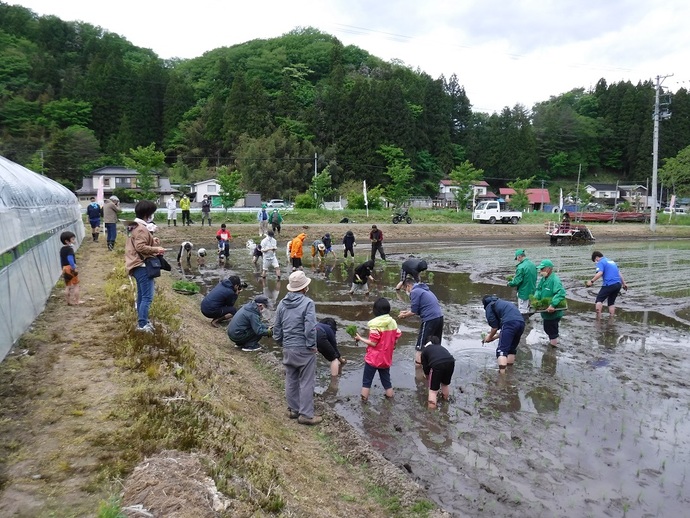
x=74 y=97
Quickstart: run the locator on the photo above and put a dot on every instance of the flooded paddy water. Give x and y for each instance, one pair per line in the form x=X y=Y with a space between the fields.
x=598 y=427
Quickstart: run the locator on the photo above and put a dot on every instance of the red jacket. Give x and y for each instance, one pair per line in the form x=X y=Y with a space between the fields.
x=384 y=332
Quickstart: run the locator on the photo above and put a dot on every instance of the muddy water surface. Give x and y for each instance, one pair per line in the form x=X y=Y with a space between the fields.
x=600 y=426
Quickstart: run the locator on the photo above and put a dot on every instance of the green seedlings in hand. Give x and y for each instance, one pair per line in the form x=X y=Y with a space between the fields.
x=543 y=304
x=352 y=331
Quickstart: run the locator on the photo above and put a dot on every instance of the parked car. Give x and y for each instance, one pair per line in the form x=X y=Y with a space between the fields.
x=677 y=211
x=276 y=203
x=493 y=211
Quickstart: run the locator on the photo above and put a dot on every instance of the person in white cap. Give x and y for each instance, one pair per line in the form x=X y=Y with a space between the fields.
x=111 y=209
x=295 y=330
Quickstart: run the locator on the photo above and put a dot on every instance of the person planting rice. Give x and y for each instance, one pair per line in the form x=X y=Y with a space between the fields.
x=612 y=282
x=550 y=286
x=506 y=317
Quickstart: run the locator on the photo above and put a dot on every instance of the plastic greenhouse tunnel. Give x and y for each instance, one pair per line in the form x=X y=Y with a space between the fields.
x=34 y=210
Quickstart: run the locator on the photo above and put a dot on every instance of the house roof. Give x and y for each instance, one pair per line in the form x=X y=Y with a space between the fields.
x=480 y=183
x=633 y=187
x=212 y=180
x=603 y=186
x=533 y=195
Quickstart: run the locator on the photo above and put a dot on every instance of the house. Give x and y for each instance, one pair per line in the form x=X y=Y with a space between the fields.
x=208 y=187
x=636 y=195
x=537 y=198
x=119 y=177
x=603 y=191
x=447 y=189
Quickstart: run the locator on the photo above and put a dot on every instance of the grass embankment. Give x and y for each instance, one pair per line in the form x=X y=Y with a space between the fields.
x=193 y=395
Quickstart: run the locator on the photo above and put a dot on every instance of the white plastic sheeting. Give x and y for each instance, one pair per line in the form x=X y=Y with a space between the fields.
x=34 y=210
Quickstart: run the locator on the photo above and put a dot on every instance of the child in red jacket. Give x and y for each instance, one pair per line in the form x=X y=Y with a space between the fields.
x=383 y=334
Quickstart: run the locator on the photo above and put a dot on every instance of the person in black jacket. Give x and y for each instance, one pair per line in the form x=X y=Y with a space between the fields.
x=412 y=267
x=363 y=274
x=376 y=238
x=438 y=365
x=219 y=303
x=327 y=345
x=349 y=244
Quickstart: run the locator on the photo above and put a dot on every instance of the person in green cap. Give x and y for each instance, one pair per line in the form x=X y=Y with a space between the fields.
x=525 y=280
x=550 y=286
x=262 y=218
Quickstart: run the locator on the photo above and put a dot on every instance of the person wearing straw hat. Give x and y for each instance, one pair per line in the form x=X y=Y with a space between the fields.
x=295 y=330
x=550 y=286
x=525 y=280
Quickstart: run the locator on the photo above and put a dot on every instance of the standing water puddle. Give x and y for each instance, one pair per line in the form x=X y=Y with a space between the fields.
x=598 y=427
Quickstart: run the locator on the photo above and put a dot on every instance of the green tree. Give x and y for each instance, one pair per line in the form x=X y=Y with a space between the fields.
x=147 y=162
x=520 y=200
x=69 y=151
x=465 y=176
x=230 y=190
x=321 y=187
x=676 y=172
x=400 y=174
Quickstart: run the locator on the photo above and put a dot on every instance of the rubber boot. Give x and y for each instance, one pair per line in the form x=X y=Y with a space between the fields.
x=174 y=222
x=168 y=222
x=209 y=222
x=111 y=245
x=94 y=236
x=97 y=234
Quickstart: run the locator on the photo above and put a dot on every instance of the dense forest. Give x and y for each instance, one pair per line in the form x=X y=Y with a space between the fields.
x=74 y=97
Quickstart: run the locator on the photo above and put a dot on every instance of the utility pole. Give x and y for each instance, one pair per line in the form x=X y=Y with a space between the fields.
x=316 y=169
x=542 y=195
x=655 y=149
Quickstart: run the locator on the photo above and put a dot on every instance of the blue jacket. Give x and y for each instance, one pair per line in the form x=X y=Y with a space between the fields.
x=247 y=322
x=220 y=296
x=295 y=322
x=500 y=311
x=424 y=303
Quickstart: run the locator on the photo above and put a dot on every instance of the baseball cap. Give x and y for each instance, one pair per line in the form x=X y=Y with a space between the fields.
x=261 y=299
x=545 y=263
x=519 y=252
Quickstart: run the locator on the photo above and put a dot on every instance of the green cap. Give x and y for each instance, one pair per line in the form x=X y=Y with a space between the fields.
x=545 y=263
x=519 y=252
x=263 y=205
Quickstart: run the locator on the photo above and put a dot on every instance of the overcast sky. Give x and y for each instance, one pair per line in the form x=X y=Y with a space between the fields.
x=503 y=52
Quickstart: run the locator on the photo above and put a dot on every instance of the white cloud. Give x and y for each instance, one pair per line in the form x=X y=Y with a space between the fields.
x=504 y=53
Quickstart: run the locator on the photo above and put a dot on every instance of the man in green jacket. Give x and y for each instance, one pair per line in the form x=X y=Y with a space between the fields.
x=525 y=280
x=550 y=286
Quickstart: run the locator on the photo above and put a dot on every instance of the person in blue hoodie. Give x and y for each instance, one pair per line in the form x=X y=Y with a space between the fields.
x=506 y=317
x=328 y=346
x=219 y=303
x=424 y=303
x=295 y=330
x=247 y=328
x=94 y=212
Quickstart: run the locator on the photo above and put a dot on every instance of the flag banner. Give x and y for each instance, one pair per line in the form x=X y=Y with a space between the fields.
x=673 y=201
x=99 y=192
x=364 y=190
x=560 y=203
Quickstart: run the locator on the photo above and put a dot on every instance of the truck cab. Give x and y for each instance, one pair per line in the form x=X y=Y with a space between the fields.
x=491 y=211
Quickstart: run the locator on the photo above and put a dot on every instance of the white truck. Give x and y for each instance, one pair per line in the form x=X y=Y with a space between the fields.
x=493 y=211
